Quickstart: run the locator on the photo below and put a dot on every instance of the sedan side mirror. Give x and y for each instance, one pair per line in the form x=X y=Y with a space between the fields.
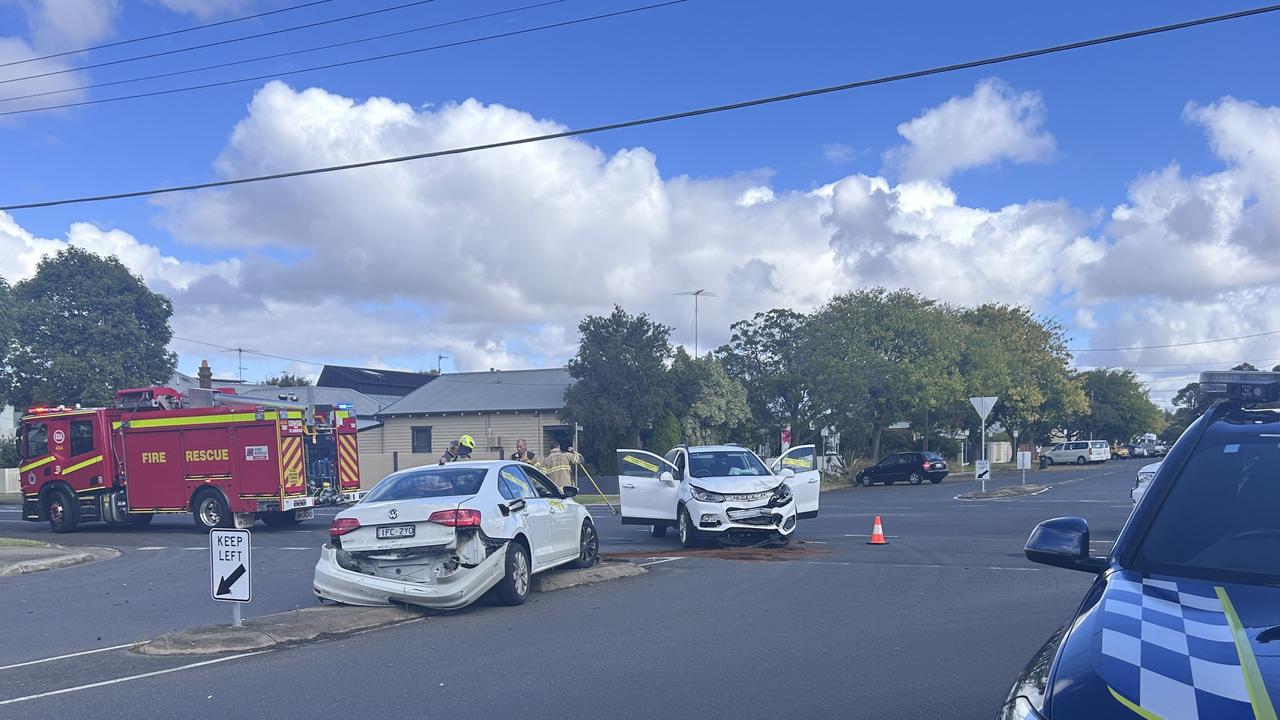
x=1063 y=542
x=569 y=491
x=788 y=473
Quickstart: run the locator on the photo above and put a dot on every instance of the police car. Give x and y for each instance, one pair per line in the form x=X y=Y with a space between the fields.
x=1183 y=620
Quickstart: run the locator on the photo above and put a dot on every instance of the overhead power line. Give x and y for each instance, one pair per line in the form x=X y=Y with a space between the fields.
x=289 y=53
x=344 y=63
x=1178 y=345
x=218 y=43
x=169 y=33
x=655 y=119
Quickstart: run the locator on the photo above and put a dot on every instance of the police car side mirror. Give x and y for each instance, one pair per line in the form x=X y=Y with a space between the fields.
x=1063 y=542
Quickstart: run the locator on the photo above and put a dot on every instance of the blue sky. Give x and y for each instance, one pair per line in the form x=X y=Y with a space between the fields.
x=1115 y=114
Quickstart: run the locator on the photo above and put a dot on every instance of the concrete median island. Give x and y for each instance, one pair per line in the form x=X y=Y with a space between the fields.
x=19 y=556
x=1008 y=491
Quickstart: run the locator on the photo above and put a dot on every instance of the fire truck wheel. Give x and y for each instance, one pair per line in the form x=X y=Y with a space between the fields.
x=64 y=511
x=287 y=518
x=210 y=510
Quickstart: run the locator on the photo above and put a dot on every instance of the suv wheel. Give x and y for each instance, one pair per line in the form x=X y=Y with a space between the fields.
x=865 y=480
x=915 y=479
x=688 y=534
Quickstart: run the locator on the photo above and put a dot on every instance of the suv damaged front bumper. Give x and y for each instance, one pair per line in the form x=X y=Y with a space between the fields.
x=746 y=519
x=437 y=577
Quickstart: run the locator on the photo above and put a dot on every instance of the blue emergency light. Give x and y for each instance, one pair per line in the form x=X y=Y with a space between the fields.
x=1250 y=386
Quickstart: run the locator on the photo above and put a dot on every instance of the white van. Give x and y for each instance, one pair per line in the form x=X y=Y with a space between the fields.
x=1078 y=452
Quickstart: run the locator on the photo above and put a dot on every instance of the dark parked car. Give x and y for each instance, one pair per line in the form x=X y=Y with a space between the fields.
x=913 y=467
x=1183 y=618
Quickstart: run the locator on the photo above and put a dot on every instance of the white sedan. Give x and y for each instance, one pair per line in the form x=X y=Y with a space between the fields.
x=442 y=536
x=1145 y=476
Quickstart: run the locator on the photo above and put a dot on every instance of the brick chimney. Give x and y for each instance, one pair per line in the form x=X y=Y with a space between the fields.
x=205 y=375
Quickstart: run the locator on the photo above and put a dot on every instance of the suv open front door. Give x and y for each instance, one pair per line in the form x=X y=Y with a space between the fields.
x=806 y=485
x=648 y=488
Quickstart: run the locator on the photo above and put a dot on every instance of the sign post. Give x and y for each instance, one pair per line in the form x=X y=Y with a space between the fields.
x=1024 y=463
x=983 y=405
x=230 y=569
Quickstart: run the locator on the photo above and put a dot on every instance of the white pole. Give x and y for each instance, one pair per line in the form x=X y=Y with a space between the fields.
x=235 y=615
x=984 y=451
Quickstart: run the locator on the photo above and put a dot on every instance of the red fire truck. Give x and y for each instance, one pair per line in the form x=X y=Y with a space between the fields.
x=223 y=458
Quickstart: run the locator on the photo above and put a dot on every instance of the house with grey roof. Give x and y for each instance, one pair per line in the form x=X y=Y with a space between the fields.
x=496 y=408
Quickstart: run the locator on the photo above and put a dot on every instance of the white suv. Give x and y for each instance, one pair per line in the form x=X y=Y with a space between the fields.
x=718 y=491
x=1078 y=452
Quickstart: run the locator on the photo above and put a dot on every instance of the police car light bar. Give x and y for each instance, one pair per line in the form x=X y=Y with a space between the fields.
x=1254 y=386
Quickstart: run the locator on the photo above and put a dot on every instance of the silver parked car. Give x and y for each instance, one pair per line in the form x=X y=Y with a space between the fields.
x=442 y=536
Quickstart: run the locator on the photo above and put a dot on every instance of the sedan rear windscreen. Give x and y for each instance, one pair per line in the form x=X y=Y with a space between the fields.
x=428 y=483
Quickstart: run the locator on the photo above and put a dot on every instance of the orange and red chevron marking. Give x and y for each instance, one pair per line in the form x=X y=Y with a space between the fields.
x=348 y=462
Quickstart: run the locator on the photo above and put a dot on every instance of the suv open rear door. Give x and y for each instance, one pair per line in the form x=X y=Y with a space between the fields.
x=647 y=488
x=806 y=485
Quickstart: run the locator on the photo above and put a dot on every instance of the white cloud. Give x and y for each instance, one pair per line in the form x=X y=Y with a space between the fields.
x=54 y=25
x=68 y=24
x=838 y=153
x=207 y=9
x=993 y=124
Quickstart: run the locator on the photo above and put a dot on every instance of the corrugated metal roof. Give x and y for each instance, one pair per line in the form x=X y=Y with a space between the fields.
x=487 y=392
x=365 y=406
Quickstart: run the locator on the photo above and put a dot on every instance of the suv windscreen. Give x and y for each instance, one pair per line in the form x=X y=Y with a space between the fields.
x=1221 y=517
x=722 y=463
x=433 y=483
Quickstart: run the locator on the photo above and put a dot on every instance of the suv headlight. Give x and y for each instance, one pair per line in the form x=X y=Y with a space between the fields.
x=705 y=495
x=782 y=493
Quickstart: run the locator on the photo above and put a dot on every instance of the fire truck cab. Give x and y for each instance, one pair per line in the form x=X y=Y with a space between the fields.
x=222 y=458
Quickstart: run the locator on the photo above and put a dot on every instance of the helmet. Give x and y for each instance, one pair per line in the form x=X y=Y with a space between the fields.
x=467 y=442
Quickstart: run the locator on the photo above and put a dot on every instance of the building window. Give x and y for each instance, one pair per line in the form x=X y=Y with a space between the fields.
x=422 y=439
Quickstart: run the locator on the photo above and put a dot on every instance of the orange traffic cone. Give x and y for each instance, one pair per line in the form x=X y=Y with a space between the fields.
x=877 y=534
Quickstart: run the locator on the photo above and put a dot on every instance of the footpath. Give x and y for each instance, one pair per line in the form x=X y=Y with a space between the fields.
x=19 y=556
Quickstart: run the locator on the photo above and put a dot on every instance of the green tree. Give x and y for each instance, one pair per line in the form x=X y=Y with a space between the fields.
x=7 y=321
x=85 y=327
x=288 y=379
x=711 y=406
x=1119 y=407
x=8 y=452
x=621 y=386
x=879 y=357
x=766 y=354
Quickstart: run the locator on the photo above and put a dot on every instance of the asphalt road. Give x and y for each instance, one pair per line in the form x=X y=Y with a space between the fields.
x=935 y=624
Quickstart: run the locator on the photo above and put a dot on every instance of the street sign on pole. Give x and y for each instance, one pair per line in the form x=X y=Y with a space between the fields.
x=983 y=405
x=1024 y=463
x=982 y=471
x=230 y=568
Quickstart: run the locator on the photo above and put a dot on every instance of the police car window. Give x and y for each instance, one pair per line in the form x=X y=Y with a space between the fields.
x=37 y=440
x=514 y=484
x=427 y=483
x=81 y=437
x=1221 y=517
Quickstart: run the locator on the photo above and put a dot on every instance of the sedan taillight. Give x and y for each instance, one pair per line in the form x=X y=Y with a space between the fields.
x=456 y=518
x=342 y=526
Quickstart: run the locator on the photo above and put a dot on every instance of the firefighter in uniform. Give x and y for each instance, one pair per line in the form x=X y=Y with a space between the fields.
x=559 y=463
x=450 y=454
x=524 y=454
x=460 y=450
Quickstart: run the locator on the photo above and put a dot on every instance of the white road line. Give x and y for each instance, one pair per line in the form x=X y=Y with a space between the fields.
x=294 y=548
x=128 y=678
x=195 y=548
x=921 y=565
x=68 y=655
x=659 y=561
x=150 y=547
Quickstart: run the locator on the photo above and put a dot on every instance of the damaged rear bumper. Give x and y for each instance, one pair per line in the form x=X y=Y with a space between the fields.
x=450 y=592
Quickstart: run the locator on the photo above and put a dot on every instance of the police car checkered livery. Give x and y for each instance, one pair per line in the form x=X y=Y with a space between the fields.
x=1183 y=619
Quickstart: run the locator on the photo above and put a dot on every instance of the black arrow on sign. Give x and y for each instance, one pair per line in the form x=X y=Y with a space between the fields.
x=225 y=585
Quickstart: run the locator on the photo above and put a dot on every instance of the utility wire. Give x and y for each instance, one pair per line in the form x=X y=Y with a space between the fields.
x=217 y=43
x=229 y=348
x=1178 y=345
x=652 y=120
x=290 y=53
x=357 y=61
x=118 y=43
